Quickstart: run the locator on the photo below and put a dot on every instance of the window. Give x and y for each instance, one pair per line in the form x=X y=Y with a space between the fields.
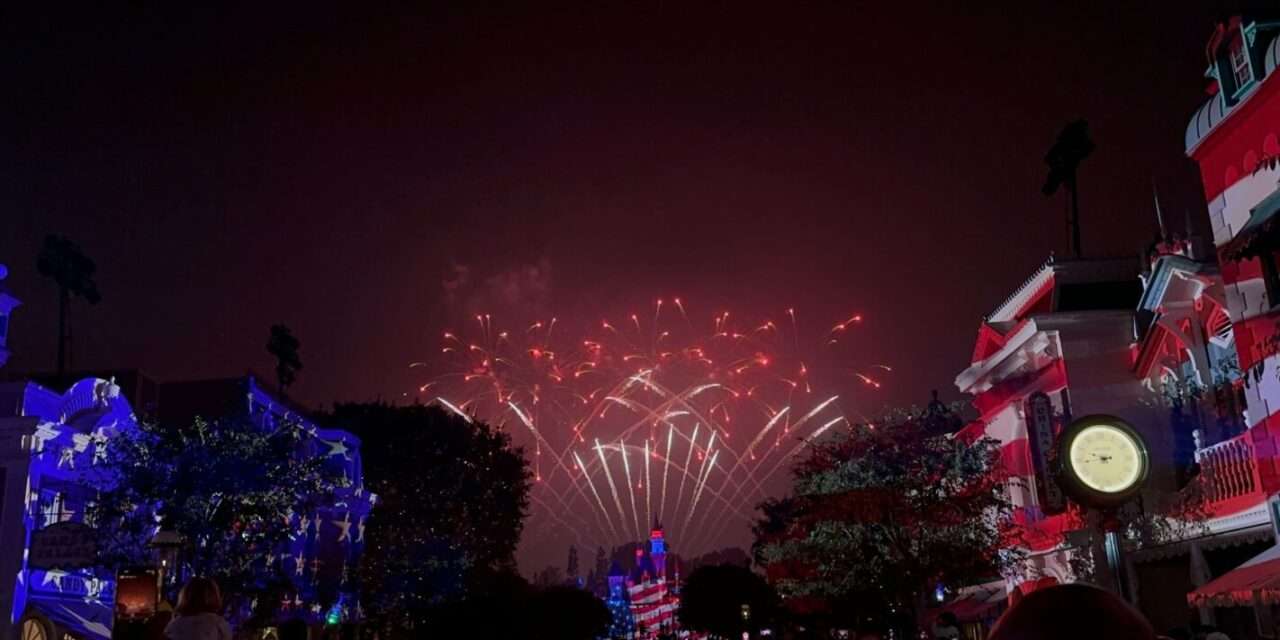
x=1271 y=277
x=1240 y=69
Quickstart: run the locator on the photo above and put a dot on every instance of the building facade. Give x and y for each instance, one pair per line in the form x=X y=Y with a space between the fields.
x=50 y=436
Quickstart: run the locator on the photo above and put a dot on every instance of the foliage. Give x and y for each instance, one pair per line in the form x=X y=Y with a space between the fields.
x=727 y=555
x=883 y=511
x=566 y=613
x=571 y=566
x=714 y=596
x=1155 y=519
x=284 y=346
x=452 y=495
x=226 y=486
x=551 y=576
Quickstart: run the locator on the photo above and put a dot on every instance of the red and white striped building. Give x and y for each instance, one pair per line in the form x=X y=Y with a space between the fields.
x=1066 y=333
x=652 y=596
x=653 y=606
x=1235 y=139
x=1192 y=361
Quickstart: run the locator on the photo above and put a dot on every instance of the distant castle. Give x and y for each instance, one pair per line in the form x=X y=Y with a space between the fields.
x=652 y=597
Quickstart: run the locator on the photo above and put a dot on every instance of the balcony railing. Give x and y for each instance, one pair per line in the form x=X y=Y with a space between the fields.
x=1229 y=473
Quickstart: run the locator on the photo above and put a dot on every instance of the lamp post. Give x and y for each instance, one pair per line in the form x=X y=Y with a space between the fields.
x=166 y=545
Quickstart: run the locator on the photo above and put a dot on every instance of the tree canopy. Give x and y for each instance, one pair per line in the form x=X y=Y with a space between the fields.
x=882 y=511
x=727 y=599
x=226 y=486
x=452 y=498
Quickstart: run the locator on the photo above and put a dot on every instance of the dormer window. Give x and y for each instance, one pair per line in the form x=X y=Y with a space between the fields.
x=1240 y=69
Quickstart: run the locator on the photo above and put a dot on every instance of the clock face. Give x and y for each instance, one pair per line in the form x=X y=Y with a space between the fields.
x=1107 y=459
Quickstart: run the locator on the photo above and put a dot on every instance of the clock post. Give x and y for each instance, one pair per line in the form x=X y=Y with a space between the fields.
x=1102 y=464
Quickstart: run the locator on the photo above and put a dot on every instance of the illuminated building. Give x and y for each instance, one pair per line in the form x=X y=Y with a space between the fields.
x=50 y=434
x=1235 y=139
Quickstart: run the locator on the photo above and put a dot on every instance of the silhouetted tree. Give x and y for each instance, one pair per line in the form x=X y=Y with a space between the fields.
x=571 y=567
x=1064 y=158
x=726 y=600
x=452 y=496
x=600 y=573
x=565 y=613
x=284 y=346
x=727 y=555
x=551 y=576
x=61 y=260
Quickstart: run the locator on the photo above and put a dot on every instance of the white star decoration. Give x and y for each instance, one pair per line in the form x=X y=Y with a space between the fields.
x=44 y=433
x=360 y=531
x=345 y=525
x=89 y=625
x=81 y=441
x=298 y=564
x=55 y=576
x=337 y=448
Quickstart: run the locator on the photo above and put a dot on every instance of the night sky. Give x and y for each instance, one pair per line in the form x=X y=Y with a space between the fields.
x=371 y=178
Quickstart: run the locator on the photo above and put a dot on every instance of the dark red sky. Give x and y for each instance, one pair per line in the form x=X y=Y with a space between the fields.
x=233 y=168
x=230 y=169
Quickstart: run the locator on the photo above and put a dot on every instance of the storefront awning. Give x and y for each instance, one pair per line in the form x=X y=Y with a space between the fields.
x=1258 y=578
x=977 y=602
x=1258 y=235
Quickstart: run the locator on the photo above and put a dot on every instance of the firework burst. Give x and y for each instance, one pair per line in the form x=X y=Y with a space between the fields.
x=660 y=417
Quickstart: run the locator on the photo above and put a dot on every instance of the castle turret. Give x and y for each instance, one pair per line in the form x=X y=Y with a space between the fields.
x=658 y=550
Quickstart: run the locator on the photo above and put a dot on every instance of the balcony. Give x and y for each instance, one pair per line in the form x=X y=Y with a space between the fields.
x=1229 y=475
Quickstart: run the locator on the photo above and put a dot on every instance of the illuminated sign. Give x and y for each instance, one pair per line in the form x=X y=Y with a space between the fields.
x=1040 y=437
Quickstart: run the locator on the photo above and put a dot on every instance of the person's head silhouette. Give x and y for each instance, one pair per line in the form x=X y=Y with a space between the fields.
x=1072 y=612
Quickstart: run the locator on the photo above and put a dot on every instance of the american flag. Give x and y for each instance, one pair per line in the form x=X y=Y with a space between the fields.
x=652 y=605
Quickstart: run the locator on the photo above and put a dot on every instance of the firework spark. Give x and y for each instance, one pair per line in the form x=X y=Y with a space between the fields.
x=727 y=400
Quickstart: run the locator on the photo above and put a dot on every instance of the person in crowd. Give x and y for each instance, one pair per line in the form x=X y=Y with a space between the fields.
x=1071 y=612
x=946 y=627
x=199 y=613
x=294 y=629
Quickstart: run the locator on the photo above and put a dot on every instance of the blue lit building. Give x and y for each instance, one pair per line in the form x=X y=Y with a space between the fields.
x=50 y=432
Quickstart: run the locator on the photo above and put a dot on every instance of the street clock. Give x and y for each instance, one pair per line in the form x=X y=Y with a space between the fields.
x=1102 y=461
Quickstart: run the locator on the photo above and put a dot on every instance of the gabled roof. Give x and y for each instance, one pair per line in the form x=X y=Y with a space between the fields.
x=1154 y=294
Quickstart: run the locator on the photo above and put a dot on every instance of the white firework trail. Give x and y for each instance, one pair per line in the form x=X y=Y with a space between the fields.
x=631 y=491
x=595 y=493
x=613 y=488
x=666 y=466
x=648 y=506
x=454 y=409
